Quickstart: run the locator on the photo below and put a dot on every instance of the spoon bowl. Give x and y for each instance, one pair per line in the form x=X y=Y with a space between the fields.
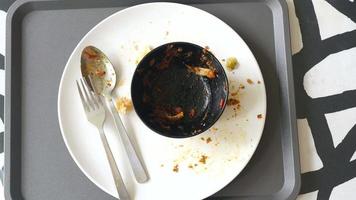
x=96 y=65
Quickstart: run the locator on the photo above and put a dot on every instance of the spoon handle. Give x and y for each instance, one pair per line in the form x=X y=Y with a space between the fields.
x=136 y=164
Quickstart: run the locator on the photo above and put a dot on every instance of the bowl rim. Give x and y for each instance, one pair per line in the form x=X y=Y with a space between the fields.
x=201 y=130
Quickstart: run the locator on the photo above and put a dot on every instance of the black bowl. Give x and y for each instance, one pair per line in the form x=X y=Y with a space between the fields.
x=179 y=89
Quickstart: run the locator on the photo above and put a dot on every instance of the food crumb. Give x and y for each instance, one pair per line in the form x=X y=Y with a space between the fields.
x=181 y=145
x=249 y=81
x=123 y=105
x=234 y=93
x=259 y=116
x=231 y=63
x=162 y=165
x=222 y=103
x=192 y=113
x=176 y=168
x=190 y=166
x=167 y=33
x=214 y=129
x=233 y=102
x=223 y=60
x=203 y=159
x=202 y=138
x=100 y=73
x=258 y=82
x=241 y=86
x=195 y=164
x=202 y=71
x=208 y=140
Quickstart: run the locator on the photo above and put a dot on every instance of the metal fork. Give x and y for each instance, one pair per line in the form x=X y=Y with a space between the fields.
x=95 y=113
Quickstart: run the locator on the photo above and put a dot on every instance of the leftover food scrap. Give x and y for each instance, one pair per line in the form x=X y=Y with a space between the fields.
x=222 y=103
x=123 y=105
x=169 y=115
x=231 y=63
x=100 y=73
x=176 y=168
x=202 y=71
x=203 y=159
x=192 y=113
x=233 y=102
x=249 y=81
x=214 y=129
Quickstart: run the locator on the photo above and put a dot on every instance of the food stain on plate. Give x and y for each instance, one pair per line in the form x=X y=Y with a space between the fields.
x=221 y=144
x=207 y=153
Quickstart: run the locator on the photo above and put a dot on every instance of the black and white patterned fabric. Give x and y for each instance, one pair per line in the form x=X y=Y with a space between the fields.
x=324 y=62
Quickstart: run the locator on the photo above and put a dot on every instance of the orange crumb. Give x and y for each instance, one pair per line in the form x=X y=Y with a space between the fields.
x=233 y=102
x=203 y=159
x=249 y=81
x=176 y=168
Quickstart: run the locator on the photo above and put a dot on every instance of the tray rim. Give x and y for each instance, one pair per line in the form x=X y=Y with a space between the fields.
x=291 y=191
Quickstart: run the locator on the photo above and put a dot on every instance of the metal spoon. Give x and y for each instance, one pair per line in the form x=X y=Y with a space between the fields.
x=96 y=65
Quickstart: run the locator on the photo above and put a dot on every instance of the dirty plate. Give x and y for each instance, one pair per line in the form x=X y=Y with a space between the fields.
x=192 y=168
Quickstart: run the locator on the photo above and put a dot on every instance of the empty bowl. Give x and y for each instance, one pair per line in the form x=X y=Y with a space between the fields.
x=179 y=89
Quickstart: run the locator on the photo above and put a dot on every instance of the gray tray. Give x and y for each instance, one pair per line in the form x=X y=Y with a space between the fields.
x=40 y=37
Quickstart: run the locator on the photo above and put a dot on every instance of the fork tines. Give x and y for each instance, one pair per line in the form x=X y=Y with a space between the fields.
x=90 y=100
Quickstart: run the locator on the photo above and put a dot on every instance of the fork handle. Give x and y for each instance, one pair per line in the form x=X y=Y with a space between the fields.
x=119 y=183
x=136 y=164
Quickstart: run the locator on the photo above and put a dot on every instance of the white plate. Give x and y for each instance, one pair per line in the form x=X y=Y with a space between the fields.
x=122 y=36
